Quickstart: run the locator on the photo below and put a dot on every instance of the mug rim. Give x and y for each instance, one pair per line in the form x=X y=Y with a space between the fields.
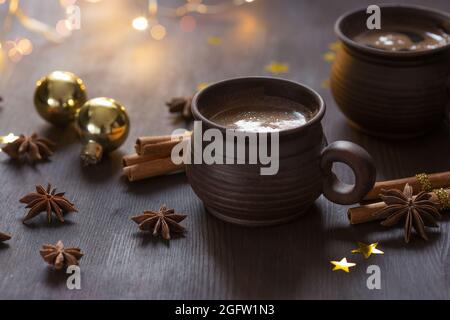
x=315 y=119
x=353 y=44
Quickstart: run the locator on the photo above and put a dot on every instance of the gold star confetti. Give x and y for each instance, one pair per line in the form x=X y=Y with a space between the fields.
x=214 y=41
x=9 y=138
x=202 y=85
x=329 y=56
x=335 y=46
x=342 y=265
x=367 y=249
x=325 y=84
x=277 y=67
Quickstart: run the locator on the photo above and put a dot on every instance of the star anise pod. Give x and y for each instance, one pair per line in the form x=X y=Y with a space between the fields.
x=47 y=200
x=4 y=237
x=181 y=105
x=163 y=222
x=60 y=257
x=35 y=147
x=418 y=212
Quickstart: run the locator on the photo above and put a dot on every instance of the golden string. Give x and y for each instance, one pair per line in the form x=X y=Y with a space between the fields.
x=198 y=7
x=443 y=198
x=32 y=24
x=424 y=182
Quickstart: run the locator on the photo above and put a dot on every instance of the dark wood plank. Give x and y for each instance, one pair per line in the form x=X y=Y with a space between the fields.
x=214 y=260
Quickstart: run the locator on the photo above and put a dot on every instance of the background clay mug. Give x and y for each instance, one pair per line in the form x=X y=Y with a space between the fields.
x=393 y=94
x=239 y=194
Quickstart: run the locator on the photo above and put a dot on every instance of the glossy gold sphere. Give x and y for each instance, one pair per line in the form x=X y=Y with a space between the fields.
x=58 y=97
x=103 y=126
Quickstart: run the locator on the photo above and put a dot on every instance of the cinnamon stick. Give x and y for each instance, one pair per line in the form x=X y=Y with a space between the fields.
x=151 y=169
x=134 y=158
x=159 y=146
x=437 y=180
x=365 y=213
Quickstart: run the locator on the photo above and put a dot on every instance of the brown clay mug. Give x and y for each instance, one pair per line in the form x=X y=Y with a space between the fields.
x=239 y=194
x=392 y=94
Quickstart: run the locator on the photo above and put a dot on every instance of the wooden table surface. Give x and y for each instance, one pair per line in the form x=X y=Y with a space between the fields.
x=214 y=260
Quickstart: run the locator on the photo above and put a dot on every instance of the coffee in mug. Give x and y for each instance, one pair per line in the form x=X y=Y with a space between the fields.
x=270 y=114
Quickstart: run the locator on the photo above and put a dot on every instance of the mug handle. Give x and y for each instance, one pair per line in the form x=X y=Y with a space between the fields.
x=359 y=160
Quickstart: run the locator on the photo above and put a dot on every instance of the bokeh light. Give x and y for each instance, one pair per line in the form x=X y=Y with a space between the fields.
x=66 y=3
x=63 y=28
x=188 y=23
x=140 y=23
x=158 y=32
x=25 y=46
x=14 y=54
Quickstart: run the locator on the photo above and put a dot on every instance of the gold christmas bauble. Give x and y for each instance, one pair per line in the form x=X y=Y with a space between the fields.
x=103 y=126
x=58 y=97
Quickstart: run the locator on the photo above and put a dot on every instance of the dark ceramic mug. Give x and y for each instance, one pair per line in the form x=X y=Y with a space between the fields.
x=238 y=194
x=392 y=94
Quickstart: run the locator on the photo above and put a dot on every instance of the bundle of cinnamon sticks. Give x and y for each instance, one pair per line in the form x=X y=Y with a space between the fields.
x=152 y=157
x=421 y=182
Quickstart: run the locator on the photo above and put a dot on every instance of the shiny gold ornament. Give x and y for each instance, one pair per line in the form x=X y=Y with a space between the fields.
x=342 y=265
x=367 y=249
x=59 y=96
x=103 y=125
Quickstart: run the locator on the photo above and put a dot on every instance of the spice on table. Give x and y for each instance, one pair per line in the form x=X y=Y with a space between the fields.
x=182 y=106
x=164 y=222
x=47 y=200
x=418 y=212
x=59 y=256
x=159 y=146
x=34 y=147
x=153 y=157
x=365 y=213
x=4 y=237
x=419 y=182
x=153 y=168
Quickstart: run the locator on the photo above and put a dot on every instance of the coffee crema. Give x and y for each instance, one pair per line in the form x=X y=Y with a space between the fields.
x=405 y=38
x=263 y=118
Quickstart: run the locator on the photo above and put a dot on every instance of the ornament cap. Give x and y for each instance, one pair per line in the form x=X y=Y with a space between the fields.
x=92 y=153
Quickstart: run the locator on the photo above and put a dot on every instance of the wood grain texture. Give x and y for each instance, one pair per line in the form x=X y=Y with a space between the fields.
x=214 y=260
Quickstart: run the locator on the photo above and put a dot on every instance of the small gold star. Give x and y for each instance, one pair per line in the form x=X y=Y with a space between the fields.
x=329 y=56
x=325 y=84
x=367 y=249
x=335 y=46
x=342 y=265
x=9 y=138
x=214 y=41
x=202 y=85
x=277 y=67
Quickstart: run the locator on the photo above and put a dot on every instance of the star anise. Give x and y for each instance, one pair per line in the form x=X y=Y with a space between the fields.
x=47 y=200
x=181 y=105
x=163 y=222
x=4 y=237
x=35 y=147
x=60 y=257
x=418 y=212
